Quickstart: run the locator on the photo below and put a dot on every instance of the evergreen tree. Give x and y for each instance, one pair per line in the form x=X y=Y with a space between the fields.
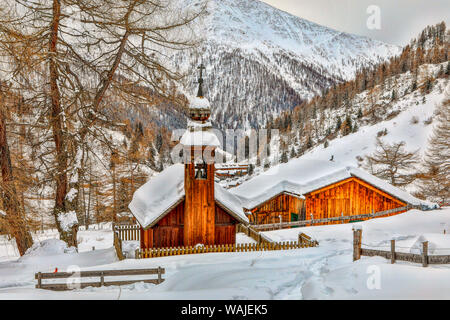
x=393 y=95
x=360 y=114
x=284 y=157
x=309 y=144
x=292 y=153
x=251 y=169
x=338 y=124
x=326 y=144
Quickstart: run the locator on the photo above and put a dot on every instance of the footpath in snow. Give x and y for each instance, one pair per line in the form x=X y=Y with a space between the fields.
x=324 y=272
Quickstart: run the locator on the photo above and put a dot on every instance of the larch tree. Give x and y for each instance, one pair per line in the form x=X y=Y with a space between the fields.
x=435 y=181
x=15 y=216
x=392 y=162
x=82 y=52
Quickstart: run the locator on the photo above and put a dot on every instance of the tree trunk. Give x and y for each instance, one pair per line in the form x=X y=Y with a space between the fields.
x=14 y=215
x=68 y=235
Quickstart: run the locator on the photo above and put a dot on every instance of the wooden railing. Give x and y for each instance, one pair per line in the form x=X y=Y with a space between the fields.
x=282 y=225
x=128 y=232
x=424 y=258
x=252 y=233
x=247 y=247
x=71 y=276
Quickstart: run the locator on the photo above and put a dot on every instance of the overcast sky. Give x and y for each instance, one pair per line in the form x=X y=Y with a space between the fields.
x=400 y=20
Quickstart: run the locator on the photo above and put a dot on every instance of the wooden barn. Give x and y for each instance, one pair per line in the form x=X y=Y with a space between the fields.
x=307 y=189
x=182 y=205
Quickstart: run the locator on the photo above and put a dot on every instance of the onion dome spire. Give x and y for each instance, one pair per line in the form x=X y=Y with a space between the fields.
x=200 y=109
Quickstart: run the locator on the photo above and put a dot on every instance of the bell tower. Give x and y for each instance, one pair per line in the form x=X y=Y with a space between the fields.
x=199 y=145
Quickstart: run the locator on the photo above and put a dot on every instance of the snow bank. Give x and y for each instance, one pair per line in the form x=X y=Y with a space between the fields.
x=49 y=247
x=129 y=248
x=438 y=244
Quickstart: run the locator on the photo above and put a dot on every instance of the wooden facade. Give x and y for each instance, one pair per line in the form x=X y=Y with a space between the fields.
x=351 y=196
x=199 y=208
x=170 y=230
x=289 y=207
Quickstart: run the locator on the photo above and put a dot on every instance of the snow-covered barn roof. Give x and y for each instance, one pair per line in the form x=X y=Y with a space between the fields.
x=163 y=192
x=300 y=177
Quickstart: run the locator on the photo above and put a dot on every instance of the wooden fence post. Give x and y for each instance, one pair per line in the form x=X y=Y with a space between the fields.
x=425 y=254
x=102 y=280
x=159 y=275
x=39 y=280
x=392 y=251
x=357 y=235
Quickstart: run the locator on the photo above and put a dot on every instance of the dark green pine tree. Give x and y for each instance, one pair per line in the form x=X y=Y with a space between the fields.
x=360 y=114
x=292 y=155
x=338 y=124
x=309 y=143
x=393 y=95
x=284 y=157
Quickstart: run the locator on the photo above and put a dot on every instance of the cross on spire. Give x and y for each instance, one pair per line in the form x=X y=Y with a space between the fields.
x=200 y=81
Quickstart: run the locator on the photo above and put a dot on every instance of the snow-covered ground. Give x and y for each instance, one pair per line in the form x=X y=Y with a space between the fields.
x=324 y=272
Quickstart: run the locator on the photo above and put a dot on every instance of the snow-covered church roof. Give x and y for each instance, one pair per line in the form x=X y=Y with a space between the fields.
x=163 y=192
x=300 y=177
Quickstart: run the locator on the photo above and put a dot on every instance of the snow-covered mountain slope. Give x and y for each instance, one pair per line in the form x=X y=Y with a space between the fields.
x=260 y=60
x=409 y=118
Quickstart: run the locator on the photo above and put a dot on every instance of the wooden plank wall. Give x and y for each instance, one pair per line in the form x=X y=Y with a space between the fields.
x=350 y=197
x=169 y=231
x=270 y=211
x=225 y=227
x=199 y=210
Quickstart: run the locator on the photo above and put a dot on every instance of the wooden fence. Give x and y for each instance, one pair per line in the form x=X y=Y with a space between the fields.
x=70 y=285
x=424 y=258
x=281 y=225
x=252 y=233
x=127 y=232
x=247 y=247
